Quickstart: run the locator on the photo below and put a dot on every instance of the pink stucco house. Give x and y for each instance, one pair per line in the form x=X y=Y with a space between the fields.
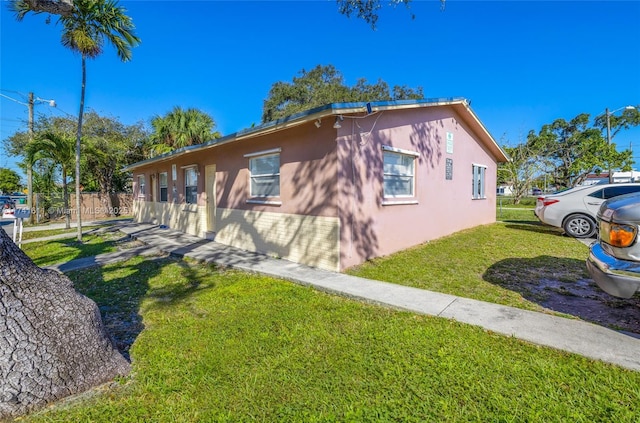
x=333 y=186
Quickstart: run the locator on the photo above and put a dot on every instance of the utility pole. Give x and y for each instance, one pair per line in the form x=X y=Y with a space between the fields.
x=30 y=104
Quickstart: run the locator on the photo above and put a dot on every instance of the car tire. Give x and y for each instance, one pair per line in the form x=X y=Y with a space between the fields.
x=579 y=226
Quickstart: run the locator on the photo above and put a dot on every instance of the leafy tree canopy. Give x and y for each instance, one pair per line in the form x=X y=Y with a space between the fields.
x=576 y=149
x=323 y=85
x=108 y=145
x=9 y=180
x=368 y=10
x=16 y=144
x=630 y=117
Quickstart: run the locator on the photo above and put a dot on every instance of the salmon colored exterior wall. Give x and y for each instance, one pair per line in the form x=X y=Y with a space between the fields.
x=303 y=223
x=369 y=228
x=331 y=212
x=308 y=172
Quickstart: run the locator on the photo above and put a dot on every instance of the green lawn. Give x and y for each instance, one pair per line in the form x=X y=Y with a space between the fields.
x=525 y=202
x=48 y=232
x=219 y=345
x=520 y=214
x=45 y=253
x=489 y=263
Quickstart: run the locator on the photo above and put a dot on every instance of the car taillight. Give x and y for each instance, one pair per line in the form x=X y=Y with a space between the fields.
x=620 y=235
x=549 y=201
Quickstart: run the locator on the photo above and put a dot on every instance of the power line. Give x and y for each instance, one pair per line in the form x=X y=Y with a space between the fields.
x=13 y=99
x=15 y=92
x=52 y=103
x=66 y=113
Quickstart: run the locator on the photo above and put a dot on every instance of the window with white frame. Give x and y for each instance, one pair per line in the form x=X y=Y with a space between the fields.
x=478 y=181
x=264 y=169
x=399 y=172
x=164 y=187
x=191 y=185
x=142 y=188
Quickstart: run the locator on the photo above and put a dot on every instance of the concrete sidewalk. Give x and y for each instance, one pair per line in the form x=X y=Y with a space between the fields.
x=7 y=225
x=570 y=335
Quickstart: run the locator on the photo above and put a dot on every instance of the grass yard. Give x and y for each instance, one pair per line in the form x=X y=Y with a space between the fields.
x=491 y=263
x=48 y=232
x=526 y=201
x=219 y=345
x=46 y=253
x=519 y=214
x=523 y=211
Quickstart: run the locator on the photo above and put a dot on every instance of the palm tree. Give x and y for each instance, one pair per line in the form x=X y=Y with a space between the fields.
x=59 y=149
x=180 y=128
x=85 y=30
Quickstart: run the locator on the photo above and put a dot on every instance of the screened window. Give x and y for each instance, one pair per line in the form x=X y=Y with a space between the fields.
x=478 y=182
x=142 y=188
x=191 y=185
x=164 y=187
x=265 y=175
x=399 y=174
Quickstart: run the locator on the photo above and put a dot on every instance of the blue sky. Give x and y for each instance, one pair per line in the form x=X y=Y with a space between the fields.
x=522 y=64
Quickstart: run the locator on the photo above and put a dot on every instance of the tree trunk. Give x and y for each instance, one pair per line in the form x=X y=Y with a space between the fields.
x=107 y=188
x=78 y=145
x=65 y=195
x=52 y=340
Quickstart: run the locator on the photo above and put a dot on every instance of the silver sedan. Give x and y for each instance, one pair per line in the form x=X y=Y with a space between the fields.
x=575 y=209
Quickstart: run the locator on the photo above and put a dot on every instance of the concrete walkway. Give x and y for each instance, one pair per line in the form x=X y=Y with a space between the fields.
x=570 y=335
x=87 y=227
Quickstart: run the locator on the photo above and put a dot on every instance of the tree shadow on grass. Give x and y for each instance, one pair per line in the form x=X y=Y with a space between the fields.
x=65 y=250
x=119 y=290
x=533 y=226
x=191 y=283
x=563 y=285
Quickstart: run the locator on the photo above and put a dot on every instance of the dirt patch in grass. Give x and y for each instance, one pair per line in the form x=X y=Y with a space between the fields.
x=120 y=240
x=127 y=243
x=563 y=285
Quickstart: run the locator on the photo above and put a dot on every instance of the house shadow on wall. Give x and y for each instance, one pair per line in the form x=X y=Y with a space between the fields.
x=233 y=197
x=563 y=285
x=340 y=179
x=360 y=179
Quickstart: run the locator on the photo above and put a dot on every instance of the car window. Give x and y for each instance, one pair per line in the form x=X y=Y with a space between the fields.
x=597 y=194
x=621 y=190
